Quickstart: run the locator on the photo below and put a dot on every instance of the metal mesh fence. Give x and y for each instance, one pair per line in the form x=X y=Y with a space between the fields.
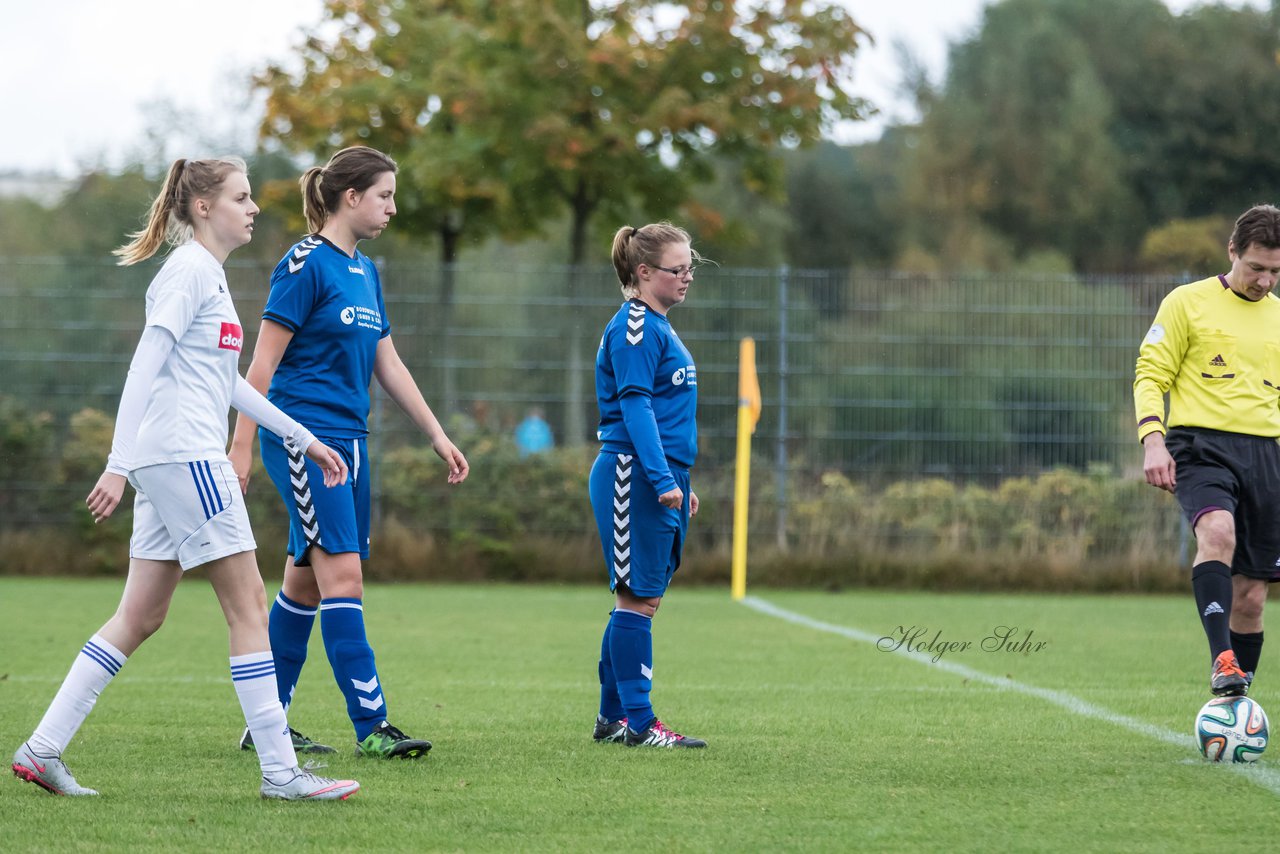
x=879 y=377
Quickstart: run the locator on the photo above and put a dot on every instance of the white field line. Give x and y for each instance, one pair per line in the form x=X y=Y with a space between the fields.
x=1264 y=776
x=122 y=679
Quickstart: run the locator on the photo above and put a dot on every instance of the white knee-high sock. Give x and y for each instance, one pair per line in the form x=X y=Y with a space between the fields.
x=95 y=666
x=254 y=676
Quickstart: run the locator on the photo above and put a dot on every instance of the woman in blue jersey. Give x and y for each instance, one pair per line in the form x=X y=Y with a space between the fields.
x=647 y=390
x=325 y=336
x=170 y=444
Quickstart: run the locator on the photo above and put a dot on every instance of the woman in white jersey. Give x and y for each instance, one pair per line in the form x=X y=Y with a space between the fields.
x=170 y=444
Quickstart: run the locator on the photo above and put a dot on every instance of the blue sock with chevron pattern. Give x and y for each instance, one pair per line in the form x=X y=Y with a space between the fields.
x=342 y=625
x=290 y=631
x=610 y=704
x=631 y=648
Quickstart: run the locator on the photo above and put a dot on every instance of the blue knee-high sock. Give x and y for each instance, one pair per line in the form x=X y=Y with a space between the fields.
x=631 y=649
x=610 y=704
x=290 y=632
x=342 y=624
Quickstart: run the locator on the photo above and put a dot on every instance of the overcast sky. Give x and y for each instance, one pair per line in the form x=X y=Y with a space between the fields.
x=76 y=76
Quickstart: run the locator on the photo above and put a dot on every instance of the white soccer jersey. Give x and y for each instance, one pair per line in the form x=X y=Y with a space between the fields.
x=186 y=416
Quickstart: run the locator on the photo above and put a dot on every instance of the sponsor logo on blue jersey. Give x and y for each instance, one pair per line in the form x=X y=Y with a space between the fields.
x=369 y=318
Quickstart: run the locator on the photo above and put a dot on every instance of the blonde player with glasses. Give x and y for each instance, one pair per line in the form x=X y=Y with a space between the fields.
x=170 y=444
x=647 y=391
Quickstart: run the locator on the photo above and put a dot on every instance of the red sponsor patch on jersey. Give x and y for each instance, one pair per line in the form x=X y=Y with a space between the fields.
x=232 y=337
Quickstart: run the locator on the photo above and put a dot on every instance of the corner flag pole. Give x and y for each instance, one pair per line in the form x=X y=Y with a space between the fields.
x=748 y=415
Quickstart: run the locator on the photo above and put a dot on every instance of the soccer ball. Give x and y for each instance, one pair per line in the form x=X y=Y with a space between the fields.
x=1231 y=728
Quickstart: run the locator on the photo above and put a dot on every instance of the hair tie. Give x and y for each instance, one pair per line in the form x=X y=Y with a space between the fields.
x=634 y=232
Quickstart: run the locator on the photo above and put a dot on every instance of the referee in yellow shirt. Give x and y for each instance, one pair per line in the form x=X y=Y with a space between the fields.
x=1215 y=349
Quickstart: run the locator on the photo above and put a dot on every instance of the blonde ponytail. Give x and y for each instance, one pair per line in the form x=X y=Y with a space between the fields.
x=635 y=246
x=169 y=218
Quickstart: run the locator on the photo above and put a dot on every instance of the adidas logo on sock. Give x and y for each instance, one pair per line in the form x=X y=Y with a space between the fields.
x=1218 y=362
x=1213 y=608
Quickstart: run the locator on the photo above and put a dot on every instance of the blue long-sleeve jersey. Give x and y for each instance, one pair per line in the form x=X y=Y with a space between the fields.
x=647 y=391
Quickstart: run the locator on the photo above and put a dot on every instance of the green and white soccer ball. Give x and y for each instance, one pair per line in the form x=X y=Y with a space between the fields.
x=1231 y=729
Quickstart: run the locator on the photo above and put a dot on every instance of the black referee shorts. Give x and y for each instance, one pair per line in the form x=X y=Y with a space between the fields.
x=1217 y=470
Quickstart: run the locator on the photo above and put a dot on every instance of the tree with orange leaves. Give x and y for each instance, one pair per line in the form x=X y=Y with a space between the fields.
x=504 y=115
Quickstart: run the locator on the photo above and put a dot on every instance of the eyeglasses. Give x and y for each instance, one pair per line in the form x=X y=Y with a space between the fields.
x=678 y=272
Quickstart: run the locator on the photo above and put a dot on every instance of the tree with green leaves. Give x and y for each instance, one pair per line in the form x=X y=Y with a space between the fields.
x=1078 y=126
x=414 y=79
x=1018 y=147
x=506 y=115
x=842 y=205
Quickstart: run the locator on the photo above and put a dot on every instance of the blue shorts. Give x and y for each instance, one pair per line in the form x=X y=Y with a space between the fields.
x=642 y=540
x=335 y=519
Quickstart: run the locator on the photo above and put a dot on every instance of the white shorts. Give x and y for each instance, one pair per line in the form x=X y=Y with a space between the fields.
x=189 y=512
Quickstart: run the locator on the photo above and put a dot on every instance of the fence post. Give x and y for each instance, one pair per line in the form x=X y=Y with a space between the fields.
x=781 y=466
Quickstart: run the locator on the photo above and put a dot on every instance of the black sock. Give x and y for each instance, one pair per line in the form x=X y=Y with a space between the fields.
x=1248 y=648
x=1211 y=582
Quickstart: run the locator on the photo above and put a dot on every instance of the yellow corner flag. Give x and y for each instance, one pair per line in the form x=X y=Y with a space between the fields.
x=748 y=382
x=749 y=404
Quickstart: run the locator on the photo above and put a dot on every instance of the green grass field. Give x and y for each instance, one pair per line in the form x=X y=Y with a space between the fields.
x=819 y=741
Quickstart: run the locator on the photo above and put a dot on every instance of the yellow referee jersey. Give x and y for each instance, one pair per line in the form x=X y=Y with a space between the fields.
x=1217 y=355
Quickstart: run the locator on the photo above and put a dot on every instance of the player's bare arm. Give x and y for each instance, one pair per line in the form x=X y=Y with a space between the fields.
x=1157 y=464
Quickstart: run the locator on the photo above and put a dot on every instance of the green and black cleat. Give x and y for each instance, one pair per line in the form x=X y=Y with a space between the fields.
x=387 y=742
